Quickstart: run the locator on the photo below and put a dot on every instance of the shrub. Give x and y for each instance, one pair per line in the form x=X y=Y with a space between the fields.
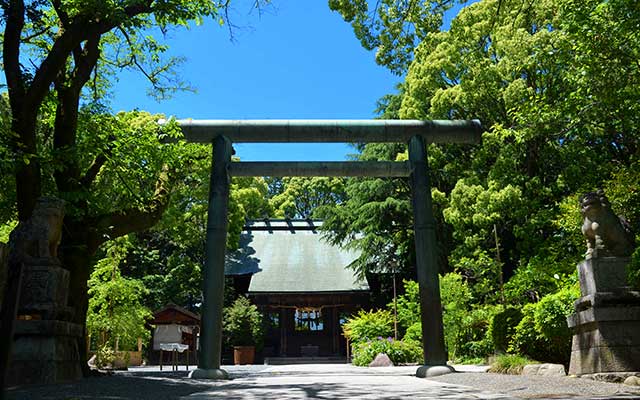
x=399 y=351
x=408 y=304
x=367 y=325
x=503 y=326
x=509 y=364
x=243 y=324
x=473 y=342
x=414 y=332
x=543 y=334
x=456 y=297
x=105 y=356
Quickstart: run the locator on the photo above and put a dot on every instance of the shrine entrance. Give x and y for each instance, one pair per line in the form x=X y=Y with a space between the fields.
x=222 y=133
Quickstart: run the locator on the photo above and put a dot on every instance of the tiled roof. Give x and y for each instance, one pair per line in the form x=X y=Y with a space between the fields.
x=292 y=256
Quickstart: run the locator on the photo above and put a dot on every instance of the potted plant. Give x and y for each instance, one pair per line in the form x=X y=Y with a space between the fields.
x=243 y=327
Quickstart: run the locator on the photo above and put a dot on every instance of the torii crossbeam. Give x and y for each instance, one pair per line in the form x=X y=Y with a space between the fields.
x=222 y=133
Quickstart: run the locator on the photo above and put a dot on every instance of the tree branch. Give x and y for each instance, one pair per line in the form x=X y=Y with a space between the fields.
x=85 y=62
x=119 y=223
x=35 y=34
x=52 y=65
x=11 y=52
x=62 y=14
x=134 y=59
x=93 y=170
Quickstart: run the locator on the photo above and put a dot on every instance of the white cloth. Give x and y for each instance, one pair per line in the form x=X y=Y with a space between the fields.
x=169 y=334
x=174 y=346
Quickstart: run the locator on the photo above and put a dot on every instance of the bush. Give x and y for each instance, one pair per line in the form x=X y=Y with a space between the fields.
x=414 y=332
x=368 y=325
x=543 y=334
x=408 y=304
x=473 y=342
x=399 y=351
x=456 y=296
x=509 y=364
x=105 y=356
x=503 y=326
x=243 y=324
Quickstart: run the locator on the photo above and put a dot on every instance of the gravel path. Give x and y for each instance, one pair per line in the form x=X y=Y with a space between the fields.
x=539 y=387
x=325 y=381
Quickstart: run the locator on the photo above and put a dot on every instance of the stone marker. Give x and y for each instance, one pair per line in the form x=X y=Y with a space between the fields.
x=544 y=370
x=606 y=323
x=381 y=360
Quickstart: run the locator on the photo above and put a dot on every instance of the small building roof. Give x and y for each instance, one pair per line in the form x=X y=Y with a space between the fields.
x=174 y=314
x=291 y=256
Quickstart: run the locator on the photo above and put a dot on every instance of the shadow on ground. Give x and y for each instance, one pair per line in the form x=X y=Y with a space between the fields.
x=150 y=386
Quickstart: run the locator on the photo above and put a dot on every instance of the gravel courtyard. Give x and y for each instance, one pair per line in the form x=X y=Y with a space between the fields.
x=325 y=381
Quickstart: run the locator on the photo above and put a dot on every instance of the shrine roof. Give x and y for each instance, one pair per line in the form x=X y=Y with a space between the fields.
x=292 y=256
x=174 y=314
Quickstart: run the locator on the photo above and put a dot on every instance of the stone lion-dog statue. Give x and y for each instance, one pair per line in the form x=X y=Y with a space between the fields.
x=607 y=234
x=36 y=240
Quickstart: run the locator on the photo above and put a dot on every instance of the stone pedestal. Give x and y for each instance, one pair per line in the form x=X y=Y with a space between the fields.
x=45 y=352
x=44 y=293
x=45 y=343
x=602 y=275
x=606 y=324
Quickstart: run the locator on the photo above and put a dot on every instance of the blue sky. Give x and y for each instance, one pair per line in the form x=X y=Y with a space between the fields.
x=297 y=60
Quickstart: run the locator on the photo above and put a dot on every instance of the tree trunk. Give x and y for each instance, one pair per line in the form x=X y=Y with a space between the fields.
x=28 y=186
x=76 y=256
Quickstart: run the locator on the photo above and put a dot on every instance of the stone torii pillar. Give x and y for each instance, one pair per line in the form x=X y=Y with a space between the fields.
x=213 y=271
x=221 y=133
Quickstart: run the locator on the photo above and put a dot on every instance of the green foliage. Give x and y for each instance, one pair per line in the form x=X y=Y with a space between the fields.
x=399 y=351
x=551 y=314
x=408 y=305
x=242 y=324
x=115 y=303
x=414 y=332
x=509 y=364
x=5 y=230
x=392 y=28
x=303 y=197
x=169 y=257
x=105 y=356
x=502 y=327
x=465 y=325
x=543 y=334
x=455 y=296
x=367 y=325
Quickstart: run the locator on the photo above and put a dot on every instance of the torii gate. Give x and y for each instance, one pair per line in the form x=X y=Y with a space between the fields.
x=222 y=133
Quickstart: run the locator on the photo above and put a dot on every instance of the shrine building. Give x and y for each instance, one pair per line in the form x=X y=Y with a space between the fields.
x=301 y=283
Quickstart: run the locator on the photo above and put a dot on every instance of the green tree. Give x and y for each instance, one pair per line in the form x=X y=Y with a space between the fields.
x=169 y=256
x=393 y=28
x=110 y=170
x=116 y=312
x=303 y=197
x=560 y=121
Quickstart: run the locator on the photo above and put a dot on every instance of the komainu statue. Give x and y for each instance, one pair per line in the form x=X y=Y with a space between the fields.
x=36 y=240
x=608 y=235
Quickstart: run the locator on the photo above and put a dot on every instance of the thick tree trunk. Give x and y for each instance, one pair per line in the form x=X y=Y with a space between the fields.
x=76 y=256
x=28 y=186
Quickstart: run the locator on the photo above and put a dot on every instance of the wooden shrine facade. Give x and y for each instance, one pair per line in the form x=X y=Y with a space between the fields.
x=301 y=283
